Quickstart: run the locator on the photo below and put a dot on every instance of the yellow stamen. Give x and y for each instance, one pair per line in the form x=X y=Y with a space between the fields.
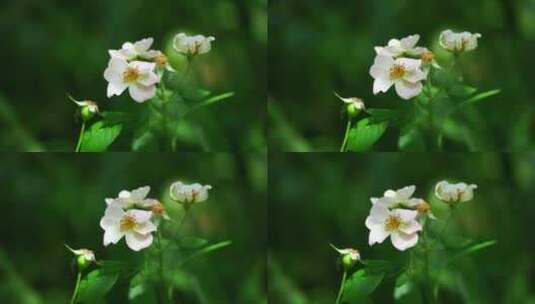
x=131 y=75
x=427 y=57
x=127 y=223
x=397 y=71
x=392 y=223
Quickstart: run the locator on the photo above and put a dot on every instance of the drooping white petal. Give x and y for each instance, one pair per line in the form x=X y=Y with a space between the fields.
x=140 y=193
x=377 y=235
x=112 y=235
x=143 y=45
x=409 y=42
x=116 y=88
x=141 y=93
x=403 y=241
x=406 y=192
x=381 y=85
x=137 y=241
x=408 y=90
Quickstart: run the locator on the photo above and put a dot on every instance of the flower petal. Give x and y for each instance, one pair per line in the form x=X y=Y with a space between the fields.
x=112 y=235
x=406 y=215
x=410 y=227
x=145 y=227
x=141 y=93
x=116 y=88
x=139 y=215
x=140 y=193
x=379 y=212
x=403 y=241
x=408 y=90
x=409 y=42
x=381 y=85
x=143 y=45
x=137 y=241
x=377 y=235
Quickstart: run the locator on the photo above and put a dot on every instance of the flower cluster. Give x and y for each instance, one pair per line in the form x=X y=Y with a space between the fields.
x=133 y=216
x=188 y=195
x=139 y=69
x=401 y=216
x=405 y=65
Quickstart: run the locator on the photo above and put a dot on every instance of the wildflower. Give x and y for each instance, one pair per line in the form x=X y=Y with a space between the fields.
x=134 y=225
x=400 y=224
x=396 y=198
x=138 y=50
x=423 y=207
x=454 y=193
x=192 y=45
x=84 y=257
x=458 y=42
x=189 y=194
x=404 y=47
x=127 y=199
x=404 y=73
x=138 y=76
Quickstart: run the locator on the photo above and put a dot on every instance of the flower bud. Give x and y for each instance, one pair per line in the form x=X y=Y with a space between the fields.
x=192 y=45
x=348 y=256
x=84 y=257
x=454 y=193
x=458 y=42
x=353 y=105
x=188 y=195
x=88 y=108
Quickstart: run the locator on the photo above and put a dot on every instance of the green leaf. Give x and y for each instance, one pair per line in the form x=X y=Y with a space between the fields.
x=114 y=118
x=406 y=291
x=98 y=137
x=411 y=139
x=481 y=96
x=461 y=91
x=364 y=135
x=145 y=142
x=96 y=285
x=191 y=242
x=141 y=290
x=206 y=250
x=473 y=249
x=382 y=266
x=209 y=101
x=444 y=79
x=361 y=284
x=381 y=115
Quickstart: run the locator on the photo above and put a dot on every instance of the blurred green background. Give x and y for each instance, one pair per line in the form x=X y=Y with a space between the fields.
x=317 y=46
x=53 y=47
x=49 y=200
x=311 y=207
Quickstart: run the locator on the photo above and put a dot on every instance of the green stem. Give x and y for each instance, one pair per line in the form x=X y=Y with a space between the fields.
x=80 y=137
x=160 y=265
x=341 y=290
x=75 y=292
x=428 y=282
x=344 y=143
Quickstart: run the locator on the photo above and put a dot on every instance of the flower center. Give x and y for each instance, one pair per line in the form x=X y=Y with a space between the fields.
x=127 y=223
x=397 y=71
x=161 y=59
x=158 y=208
x=392 y=223
x=423 y=207
x=427 y=57
x=131 y=75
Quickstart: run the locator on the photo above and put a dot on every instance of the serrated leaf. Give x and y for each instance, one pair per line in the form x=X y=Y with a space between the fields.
x=99 y=137
x=95 y=286
x=361 y=284
x=364 y=135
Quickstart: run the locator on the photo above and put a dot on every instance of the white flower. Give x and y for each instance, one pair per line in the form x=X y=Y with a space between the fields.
x=189 y=194
x=134 y=225
x=192 y=45
x=138 y=76
x=454 y=193
x=404 y=73
x=129 y=199
x=396 y=198
x=458 y=42
x=353 y=254
x=140 y=49
x=404 y=47
x=400 y=224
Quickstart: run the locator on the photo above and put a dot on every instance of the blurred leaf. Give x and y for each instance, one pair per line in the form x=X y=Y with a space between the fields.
x=381 y=115
x=95 y=285
x=411 y=139
x=140 y=290
x=473 y=249
x=114 y=118
x=207 y=250
x=209 y=101
x=444 y=79
x=146 y=142
x=461 y=91
x=406 y=291
x=191 y=242
x=364 y=135
x=481 y=96
x=361 y=284
x=382 y=266
x=98 y=137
